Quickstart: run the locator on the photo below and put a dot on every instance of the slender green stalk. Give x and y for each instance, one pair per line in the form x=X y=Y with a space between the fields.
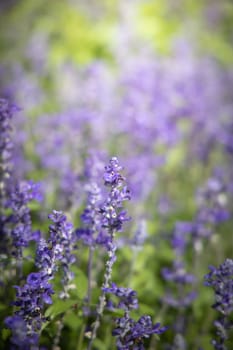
x=102 y=299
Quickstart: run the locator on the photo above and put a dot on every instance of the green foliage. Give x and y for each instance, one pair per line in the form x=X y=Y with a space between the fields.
x=59 y=307
x=80 y=281
x=154 y=24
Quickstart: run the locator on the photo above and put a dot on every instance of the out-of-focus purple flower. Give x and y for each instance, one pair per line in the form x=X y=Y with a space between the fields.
x=21 y=339
x=92 y=233
x=140 y=235
x=20 y=220
x=164 y=206
x=212 y=201
x=179 y=237
x=178 y=274
x=15 y=194
x=6 y=113
x=91 y=216
x=226 y=137
x=179 y=302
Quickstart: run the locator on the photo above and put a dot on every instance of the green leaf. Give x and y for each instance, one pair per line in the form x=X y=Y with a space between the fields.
x=80 y=282
x=5 y=333
x=58 y=307
x=73 y=321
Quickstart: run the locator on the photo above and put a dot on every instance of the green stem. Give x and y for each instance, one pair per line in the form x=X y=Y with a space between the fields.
x=80 y=339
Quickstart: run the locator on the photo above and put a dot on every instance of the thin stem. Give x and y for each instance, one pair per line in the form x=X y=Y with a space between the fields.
x=106 y=283
x=19 y=267
x=80 y=339
x=89 y=273
x=60 y=325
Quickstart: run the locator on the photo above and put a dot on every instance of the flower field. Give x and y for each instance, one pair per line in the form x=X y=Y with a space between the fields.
x=116 y=190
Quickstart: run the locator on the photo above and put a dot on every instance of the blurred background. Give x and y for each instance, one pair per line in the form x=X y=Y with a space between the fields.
x=43 y=44
x=112 y=75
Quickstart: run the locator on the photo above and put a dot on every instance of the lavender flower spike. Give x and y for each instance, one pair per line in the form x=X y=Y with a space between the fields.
x=112 y=218
x=6 y=113
x=221 y=280
x=27 y=321
x=58 y=251
x=130 y=333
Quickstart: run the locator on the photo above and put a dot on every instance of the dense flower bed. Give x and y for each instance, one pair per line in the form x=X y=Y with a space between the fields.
x=116 y=201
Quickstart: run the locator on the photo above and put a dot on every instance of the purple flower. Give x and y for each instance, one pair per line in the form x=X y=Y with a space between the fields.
x=221 y=280
x=57 y=252
x=32 y=297
x=15 y=194
x=112 y=174
x=131 y=334
x=20 y=220
x=6 y=113
x=6 y=145
x=91 y=232
x=27 y=320
x=91 y=215
x=127 y=297
x=102 y=216
x=178 y=274
x=21 y=339
x=113 y=216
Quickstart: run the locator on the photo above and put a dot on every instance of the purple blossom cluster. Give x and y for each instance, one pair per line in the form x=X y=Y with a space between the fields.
x=31 y=298
x=27 y=321
x=130 y=333
x=91 y=232
x=113 y=215
x=177 y=275
x=20 y=220
x=220 y=279
x=6 y=113
x=127 y=297
x=15 y=194
x=57 y=252
x=104 y=216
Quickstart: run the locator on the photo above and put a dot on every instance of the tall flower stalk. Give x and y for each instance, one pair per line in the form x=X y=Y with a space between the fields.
x=15 y=194
x=31 y=298
x=112 y=218
x=6 y=114
x=221 y=280
x=90 y=234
